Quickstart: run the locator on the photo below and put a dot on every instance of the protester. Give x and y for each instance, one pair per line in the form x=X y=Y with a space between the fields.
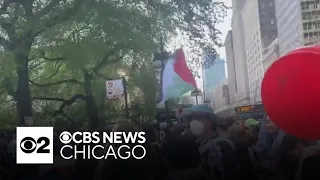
x=218 y=155
x=183 y=159
x=292 y=150
x=207 y=147
x=245 y=158
x=153 y=139
x=118 y=169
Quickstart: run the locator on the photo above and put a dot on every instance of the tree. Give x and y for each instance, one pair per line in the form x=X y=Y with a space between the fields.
x=65 y=49
x=93 y=54
x=143 y=76
x=22 y=21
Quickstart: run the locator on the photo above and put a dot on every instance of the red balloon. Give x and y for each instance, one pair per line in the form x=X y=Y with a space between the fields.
x=315 y=49
x=290 y=93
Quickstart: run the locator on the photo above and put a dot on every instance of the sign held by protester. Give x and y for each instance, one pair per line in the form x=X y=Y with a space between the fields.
x=114 y=89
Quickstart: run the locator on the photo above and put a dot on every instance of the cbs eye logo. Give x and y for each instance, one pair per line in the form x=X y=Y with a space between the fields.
x=65 y=137
x=28 y=145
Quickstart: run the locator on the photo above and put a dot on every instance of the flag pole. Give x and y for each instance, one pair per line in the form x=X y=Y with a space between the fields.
x=124 y=82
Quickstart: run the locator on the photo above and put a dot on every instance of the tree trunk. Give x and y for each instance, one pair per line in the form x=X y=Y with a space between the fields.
x=91 y=106
x=23 y=95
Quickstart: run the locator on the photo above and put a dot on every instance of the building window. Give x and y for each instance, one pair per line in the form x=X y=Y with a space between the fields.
x=309 y=25
x=310 y=35
x=303 y=5
x=304 y=16
x=270 y=4
x=305 y=26
x=307 y=5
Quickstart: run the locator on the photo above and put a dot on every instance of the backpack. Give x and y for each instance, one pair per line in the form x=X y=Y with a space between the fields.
x=213 y=161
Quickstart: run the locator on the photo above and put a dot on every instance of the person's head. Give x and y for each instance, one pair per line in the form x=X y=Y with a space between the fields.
x=201 y=119
x=292 y=147
x=150 y=132
x=251 y=123
x=239 y=136
x=181 y=153
x=223 y=126
x=271 y=126
x=126 y=126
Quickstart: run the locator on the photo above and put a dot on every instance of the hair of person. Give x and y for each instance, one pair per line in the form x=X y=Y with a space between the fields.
x=124 y=125
x=110 y=168
x=225 y=123
x=289 y=142
x=150 y=132
x=182 y=152
x=239 y=136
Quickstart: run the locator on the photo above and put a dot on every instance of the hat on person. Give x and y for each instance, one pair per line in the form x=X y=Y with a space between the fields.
x=199 y=110
x=251 y=122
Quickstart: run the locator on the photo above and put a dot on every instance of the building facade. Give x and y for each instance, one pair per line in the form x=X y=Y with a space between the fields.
x=213 y=76
x=310 y=15
x=242 y=82
x=220 y=96
x=298 y=24
x=260 y=29
x=290 y=32
x=270 y=54
x=231 y=68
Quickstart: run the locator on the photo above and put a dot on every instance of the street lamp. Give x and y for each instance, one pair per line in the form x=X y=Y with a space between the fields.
x=159 y=61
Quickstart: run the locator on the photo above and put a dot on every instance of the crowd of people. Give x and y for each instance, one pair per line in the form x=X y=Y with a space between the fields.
x=202 y=147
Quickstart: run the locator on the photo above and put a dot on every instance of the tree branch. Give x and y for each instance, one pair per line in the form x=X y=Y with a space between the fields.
x=56 y=69
x=5 y=43
x=61 y=17
x=70 y=101
x=105 y=59
x=74 y=81
x=66 y=116
x=43 y=56
x=34 y=65
x=46 y=10
x=65 y=103
x=27 y=5
x=48 y=99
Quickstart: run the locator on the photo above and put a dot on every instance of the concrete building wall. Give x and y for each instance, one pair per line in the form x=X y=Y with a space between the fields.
x=310 y=15
x=271 y=54
x=290 y=32
x=268 y=22
x=253 y=44
x=231 y=67
x=220 y=96
x=237 y=25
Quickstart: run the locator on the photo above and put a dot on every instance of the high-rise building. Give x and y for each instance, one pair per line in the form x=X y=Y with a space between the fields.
x=220 y=96
x=260 y=30
x=231 y=67
x=288 y=14
x=242 y=83
x=213 y=76
x=270 y=54
x=298 y=23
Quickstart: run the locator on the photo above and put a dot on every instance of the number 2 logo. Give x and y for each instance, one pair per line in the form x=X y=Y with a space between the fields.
x=29 y=145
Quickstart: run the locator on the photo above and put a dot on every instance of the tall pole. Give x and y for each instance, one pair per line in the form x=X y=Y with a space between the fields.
x=197 y=97
x=125 y=89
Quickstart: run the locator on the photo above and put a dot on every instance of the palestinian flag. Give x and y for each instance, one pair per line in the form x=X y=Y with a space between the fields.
x=177 y=78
